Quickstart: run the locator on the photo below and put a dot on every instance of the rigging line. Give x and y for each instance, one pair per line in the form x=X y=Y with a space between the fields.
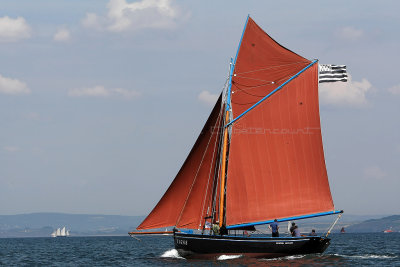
x=242 y=104
x=273 y=67
x=250 y=86
x=276 y=82
x=211 y=167
x=260 y=85
x=244 y=77
x=218 y=165
x=218 y=118
x=194 y=180
x=244 y=91
x=273 y=92
x=216 y=175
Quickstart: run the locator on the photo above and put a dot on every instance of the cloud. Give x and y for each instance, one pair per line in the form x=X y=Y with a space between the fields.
x=349 y=33
x=395 y=90
x=11 y=149
x=123 y=16
x=374 y=172
x=350 y=93
x=92 y=21
x=125 y=93
x=12 y=30
x=97 y=91
x=101 y=91
x=62 y=35
x=207 y=98
x=13 y=86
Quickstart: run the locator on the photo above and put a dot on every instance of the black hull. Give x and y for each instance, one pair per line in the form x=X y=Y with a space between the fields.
x=199 y=246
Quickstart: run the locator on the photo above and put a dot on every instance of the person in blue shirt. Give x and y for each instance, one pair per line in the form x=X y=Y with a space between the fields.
x=296 y=231
x=274 y=228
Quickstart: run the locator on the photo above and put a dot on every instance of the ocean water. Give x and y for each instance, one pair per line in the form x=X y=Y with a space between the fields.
x=346 y=249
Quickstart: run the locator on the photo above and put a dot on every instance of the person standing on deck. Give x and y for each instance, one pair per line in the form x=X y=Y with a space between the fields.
x=292 y=228
x=296 y=231
x=274 y=228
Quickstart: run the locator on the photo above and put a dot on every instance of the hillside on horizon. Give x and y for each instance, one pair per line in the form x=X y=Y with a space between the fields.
x=376 y=225
x=43 y=224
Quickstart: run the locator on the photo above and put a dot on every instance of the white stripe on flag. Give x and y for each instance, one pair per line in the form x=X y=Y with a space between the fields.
x=332 y=73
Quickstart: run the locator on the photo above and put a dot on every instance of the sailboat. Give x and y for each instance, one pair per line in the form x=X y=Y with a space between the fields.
x=389 y=230
x=258 y=158
x=60 y=232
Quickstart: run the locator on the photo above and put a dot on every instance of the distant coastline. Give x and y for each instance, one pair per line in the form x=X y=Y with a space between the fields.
x=43 y=224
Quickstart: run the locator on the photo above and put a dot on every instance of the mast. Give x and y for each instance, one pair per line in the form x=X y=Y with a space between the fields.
x=224 y=147
x=226 y=128
x=223 y=171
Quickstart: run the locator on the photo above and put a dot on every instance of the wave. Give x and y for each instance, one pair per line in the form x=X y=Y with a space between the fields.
x=228 y=257
x=368 y=256
x=293 y=257
x=172 y=253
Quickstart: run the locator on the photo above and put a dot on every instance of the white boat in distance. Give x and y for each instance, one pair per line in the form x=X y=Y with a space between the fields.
x=60 y=232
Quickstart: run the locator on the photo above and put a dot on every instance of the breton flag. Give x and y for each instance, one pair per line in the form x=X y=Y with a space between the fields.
x=332 y=73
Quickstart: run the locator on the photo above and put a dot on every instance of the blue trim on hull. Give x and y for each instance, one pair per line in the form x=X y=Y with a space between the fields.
x=230 y=227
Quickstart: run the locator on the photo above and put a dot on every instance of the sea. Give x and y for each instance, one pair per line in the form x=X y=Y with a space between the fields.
x=372 y=249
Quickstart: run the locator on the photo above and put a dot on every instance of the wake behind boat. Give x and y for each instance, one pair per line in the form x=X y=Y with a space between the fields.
x=258 y=158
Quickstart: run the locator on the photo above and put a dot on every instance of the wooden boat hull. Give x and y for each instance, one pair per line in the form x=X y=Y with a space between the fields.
x=200 y=246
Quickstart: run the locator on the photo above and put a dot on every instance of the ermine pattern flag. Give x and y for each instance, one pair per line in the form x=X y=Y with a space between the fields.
x=332 y=73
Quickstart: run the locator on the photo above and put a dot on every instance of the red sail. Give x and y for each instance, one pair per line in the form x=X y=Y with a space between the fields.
x=188 y=199
x=276 y=160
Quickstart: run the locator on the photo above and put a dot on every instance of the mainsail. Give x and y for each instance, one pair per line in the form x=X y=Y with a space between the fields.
x=276 y=159
x=188 y=199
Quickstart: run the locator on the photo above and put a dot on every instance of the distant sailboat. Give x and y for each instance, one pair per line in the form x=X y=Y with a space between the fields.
x=60 y=232
x=388 y=230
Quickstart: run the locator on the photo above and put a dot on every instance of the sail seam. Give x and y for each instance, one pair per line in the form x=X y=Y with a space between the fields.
x=270 y=94
x=249 y=78
x=273 y=67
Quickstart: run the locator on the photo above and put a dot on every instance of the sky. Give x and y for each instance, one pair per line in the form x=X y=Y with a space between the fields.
x=101 y=101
